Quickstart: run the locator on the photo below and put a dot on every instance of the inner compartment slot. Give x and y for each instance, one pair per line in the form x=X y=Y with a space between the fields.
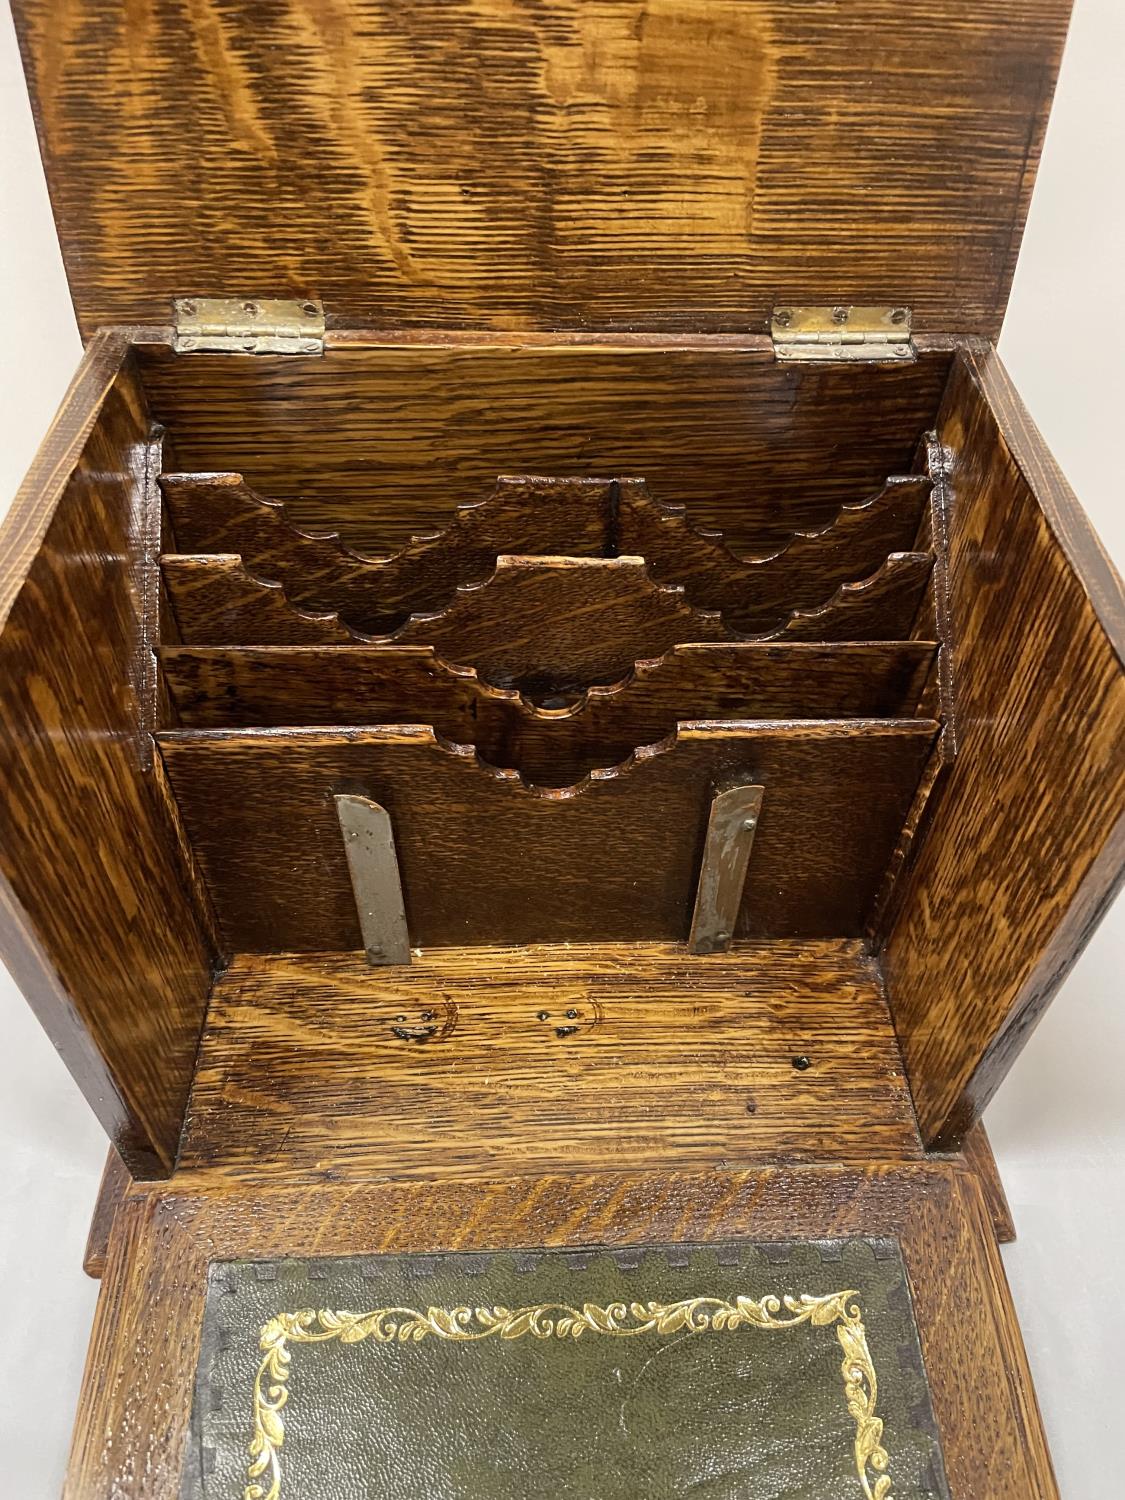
x=484 y=858
x=541 y=615
x=380 y=444
x=529 y=516
x=216 y=687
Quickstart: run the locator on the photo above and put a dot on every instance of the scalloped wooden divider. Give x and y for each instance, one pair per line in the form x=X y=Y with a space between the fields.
x=554 y=625
x=531 y=515
x=882 y=607
x=547 y=626
x=755 y=594
x=216 y=687
x=217 y=602
x=525 y=515
x=485 y=859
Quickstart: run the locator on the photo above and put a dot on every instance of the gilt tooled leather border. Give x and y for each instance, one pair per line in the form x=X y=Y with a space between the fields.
x=839 y=1312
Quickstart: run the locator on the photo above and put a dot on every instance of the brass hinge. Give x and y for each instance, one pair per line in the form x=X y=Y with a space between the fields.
x=870 y=335
x=247 y=325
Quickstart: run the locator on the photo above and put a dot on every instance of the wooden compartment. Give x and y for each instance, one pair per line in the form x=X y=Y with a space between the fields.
x=740 y=727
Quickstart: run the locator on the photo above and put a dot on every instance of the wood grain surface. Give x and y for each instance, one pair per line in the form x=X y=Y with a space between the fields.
x=529 y=515
x=572 y=165
x=938 y=700
x=485 y=859
x=546 y=1059
x=548 y=627
x=380 y=443
x=111 y=1194
x=214 y=600
x=755 y=594
x=881 y=607
x=96 y=923
x=215 y=687
x=1027 y=845
x=524 y=515
x=978 y=1158
x=542 y=625
x=133 y=1411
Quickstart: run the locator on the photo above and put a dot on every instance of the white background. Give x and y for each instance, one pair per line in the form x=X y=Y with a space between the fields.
x=1058 y=1124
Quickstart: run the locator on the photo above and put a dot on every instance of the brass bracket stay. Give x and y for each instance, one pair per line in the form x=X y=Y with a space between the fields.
x=731 y=827
x=369 y=844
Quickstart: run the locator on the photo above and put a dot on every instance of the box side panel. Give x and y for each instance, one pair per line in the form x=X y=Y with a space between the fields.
x=98 y=923
x=1027 y=846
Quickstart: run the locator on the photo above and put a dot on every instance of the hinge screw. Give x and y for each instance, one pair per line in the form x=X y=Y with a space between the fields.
x=839 y=315
x=783 y=318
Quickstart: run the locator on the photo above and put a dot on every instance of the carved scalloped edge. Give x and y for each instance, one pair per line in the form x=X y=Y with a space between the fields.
x=643 y=667
x=844 y=594
x=713 y=538
x=636 y=757
x=641 y=754
x=231 y=479
x=686 y=729
x=665 y=511
x=232 y=564
x=673 y=592
x=463 y=511
x=426 y=734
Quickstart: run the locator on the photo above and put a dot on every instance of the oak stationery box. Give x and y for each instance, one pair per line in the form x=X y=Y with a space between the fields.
x=559 y=729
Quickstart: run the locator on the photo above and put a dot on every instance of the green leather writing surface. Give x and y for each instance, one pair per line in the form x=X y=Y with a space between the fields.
x=715 y=1372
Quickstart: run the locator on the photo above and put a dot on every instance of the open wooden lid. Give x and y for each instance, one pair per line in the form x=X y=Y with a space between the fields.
x=529 y=164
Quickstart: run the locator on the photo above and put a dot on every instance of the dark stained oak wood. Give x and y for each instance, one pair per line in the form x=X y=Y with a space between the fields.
x=215 y=687
x=933 y=621
x=577 y=165
x=214 y=600
x=524 y=515
x=976 y=1152
x=96 y=922
x=485 y=859
x=529 y=515
x=133 y=1411
x=531 y=1060
x=382 y=443
x=1027 y=844
x=111 y=1193
x=548 y=239
x=756 y=594
x=880 y=607
x=545 y=626
x=553 y=625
